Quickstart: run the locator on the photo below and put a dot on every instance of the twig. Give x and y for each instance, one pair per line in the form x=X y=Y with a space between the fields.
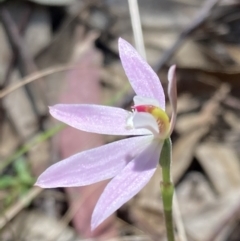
x=16 y=41
x=25 y=61
x=13 y=60
x=22 y=26
x=136 y=26
x=196 y=23
x=32 y=77
x=22 y=203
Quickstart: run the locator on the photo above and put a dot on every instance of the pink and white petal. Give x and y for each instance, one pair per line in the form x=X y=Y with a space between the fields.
x=128 y=183
x=172 y=95
x=145 y=120
x=93 y=165
x=96 y=118
x=143 y=79
x=139 y=100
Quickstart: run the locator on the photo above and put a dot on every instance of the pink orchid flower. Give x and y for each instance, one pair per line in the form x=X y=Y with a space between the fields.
x=129 y=162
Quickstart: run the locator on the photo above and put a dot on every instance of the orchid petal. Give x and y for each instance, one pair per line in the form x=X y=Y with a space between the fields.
x=94 y=165
x=127 y=184
x=145 y=120
x=172 y=95
x=96 y=118
x=139 y=100
x=143 y=79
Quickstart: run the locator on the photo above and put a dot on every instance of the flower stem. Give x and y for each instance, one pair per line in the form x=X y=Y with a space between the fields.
x=167 y=187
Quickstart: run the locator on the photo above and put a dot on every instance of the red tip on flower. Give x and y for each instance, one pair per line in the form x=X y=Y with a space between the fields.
x=142 y=108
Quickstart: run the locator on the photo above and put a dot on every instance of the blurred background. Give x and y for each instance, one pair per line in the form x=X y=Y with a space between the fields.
x=65 y=51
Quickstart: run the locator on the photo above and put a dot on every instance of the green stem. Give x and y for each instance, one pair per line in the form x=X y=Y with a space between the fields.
x=167 y=187
x=169 y=225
